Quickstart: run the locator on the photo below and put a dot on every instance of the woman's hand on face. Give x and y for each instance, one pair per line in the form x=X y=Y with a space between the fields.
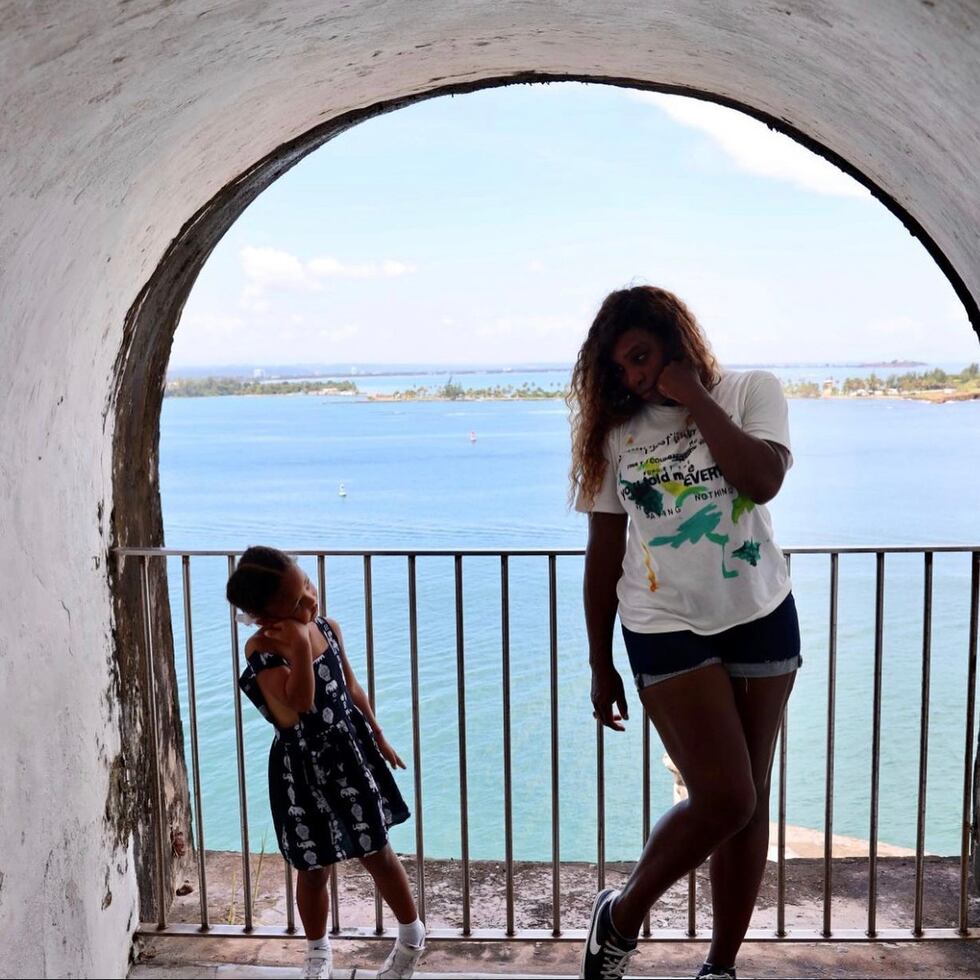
x=679 y=382
x=607 y=693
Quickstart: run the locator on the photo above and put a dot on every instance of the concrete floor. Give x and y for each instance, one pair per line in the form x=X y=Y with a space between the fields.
x=194 y=955
x=179 y=957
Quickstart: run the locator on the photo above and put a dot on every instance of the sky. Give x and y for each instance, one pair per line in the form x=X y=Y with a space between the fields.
x=487 y=228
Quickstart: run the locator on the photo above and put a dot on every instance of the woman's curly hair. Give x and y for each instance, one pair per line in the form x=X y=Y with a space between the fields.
x=597 y=399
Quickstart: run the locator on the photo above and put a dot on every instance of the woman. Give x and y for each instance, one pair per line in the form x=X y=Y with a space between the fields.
x=673 y=460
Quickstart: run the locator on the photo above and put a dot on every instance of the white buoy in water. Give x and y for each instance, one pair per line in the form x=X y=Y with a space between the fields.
x=341 y=492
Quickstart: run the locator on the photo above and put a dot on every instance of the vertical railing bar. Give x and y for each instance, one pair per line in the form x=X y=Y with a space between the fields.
x=555 y=845
x=828 y=838
x=781 y=820
x=600 y=757
x=781 y=831
x=413 y=626
x=505 y=693
x=321 y=580
x=202 y=878
x=464 y=832
x=920 y=834
x=290 y=899
x=971 y=700
x=876 y=745
x=288 y=877
x=692 y=891
x=646 y=799
x=151 y=694
x=379 y=927
x=240 y=754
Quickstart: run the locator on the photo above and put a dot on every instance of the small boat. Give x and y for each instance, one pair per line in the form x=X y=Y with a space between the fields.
x=472 y=436
x=341 y=492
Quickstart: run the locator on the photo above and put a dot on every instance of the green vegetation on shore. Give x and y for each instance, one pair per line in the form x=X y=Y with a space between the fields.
x=204 y=387
x=451 y=391
x=935 y=385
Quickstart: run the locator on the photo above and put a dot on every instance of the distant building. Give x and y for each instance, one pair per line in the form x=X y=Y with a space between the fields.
x=258 y=372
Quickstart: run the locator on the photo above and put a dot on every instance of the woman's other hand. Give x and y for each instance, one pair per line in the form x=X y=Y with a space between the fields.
x=608 y=695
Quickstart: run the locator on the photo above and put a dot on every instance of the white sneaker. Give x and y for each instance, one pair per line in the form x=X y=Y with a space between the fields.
x=401 y=961
x=318 y=965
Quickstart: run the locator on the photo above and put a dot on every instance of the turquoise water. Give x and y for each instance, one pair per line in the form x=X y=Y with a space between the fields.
x=238 y=471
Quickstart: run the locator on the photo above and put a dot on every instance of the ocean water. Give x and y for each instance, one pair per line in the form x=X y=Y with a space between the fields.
x=243 y=470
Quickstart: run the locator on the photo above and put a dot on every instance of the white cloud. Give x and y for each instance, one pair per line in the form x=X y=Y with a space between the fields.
x=272 y=268
x=264 y=267
x=325 y=267
x=754 y=147
x=545 y=326
x=343 y=332
x=392 y=268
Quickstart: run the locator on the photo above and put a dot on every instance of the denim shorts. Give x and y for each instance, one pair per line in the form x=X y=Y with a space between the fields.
x=765 y=647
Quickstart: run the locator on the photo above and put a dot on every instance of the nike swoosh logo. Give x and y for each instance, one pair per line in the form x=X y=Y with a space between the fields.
x=594 y=947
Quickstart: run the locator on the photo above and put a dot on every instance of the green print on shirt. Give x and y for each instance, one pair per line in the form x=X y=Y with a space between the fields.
x=680 y=493
x=748 y=551
x=702 y=524
x=741 y=505
x=645 y=495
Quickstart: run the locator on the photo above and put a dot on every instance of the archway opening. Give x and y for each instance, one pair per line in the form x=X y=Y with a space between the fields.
x=308 y=266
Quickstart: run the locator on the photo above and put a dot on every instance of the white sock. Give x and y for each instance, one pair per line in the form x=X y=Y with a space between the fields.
x=321 y=945
x=412 y=933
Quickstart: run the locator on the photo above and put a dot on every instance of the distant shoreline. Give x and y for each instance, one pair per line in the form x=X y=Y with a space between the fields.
x=936 y=386
x=294 y=373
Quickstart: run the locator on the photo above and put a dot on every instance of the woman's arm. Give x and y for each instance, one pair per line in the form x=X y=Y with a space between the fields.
x=603 y=567
x=755 y=467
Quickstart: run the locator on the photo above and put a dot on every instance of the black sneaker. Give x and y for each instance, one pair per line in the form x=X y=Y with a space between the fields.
x=711 y=972
x=606 y=955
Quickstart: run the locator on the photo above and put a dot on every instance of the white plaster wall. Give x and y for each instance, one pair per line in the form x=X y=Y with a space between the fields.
x=120 y=120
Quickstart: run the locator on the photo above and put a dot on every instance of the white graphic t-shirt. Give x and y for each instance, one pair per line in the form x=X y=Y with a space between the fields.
x=699 y=555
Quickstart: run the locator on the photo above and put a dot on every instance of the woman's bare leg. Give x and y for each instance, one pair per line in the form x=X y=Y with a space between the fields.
x=699 y=723
x=737 y=866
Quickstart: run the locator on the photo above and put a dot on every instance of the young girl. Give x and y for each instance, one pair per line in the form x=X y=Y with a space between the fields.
x=674 y=460
x=332 y=795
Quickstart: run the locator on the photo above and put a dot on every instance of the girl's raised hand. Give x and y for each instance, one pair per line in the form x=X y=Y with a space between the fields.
x=391 y=756
x=290 y=639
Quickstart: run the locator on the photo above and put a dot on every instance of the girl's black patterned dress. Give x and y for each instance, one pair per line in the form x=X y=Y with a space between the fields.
x=333 y=796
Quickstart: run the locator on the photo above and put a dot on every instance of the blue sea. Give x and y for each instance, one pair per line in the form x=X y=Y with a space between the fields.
x=237 y=471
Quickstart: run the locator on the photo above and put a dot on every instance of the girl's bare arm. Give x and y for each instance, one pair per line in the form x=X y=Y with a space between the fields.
x=360 y=699
x=291 y=687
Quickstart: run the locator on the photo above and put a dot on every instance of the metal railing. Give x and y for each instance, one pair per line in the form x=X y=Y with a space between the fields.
x=915 y=931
